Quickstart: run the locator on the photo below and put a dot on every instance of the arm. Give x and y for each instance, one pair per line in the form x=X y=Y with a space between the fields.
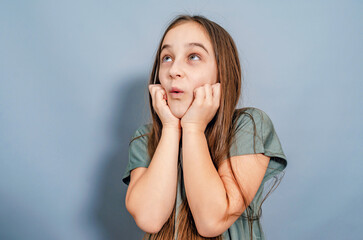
x=150 y=200
x=207 y=189
x=203 y=186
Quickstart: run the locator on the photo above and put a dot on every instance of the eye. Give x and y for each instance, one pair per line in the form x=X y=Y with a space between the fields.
x=194 y=55
x=162 y=59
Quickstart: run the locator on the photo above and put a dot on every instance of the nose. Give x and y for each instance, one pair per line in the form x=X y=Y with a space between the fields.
x=176 y=70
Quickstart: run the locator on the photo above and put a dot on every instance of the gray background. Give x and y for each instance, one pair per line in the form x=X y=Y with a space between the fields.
x=73 y=91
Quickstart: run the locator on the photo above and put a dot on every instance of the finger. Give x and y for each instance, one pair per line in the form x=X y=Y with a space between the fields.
x=165 y=96
x=160 y=97
x=199 y=95
x=150 y=90
x=216 y=94
x=208 y=94
x=153 y=88
x=153 y=94
x=163 y=91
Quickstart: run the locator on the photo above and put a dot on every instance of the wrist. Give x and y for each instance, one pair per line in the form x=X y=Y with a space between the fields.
x=193 y=128
x=175 y=126
x=171 y=129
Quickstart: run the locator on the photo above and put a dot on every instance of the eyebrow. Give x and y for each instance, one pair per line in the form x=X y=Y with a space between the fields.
x=186 y=45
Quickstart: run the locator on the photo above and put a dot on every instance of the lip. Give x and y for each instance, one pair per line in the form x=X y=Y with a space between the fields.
x=176 y=95
x=175 y=89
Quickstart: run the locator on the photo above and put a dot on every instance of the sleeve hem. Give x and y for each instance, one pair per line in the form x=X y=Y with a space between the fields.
x=126 y=176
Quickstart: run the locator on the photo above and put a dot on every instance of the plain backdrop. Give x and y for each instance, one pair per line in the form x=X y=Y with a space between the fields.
x=73 y=89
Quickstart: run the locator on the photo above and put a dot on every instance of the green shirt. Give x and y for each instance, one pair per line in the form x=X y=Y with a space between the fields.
x=266 y=142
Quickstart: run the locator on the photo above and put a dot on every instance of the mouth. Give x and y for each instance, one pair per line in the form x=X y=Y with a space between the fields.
x=176 y=90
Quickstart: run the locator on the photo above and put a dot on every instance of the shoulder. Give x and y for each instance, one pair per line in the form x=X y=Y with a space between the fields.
x=141 y=134
x=143 y=129
x=251 y=115
x=254 y=124
x=255 y=133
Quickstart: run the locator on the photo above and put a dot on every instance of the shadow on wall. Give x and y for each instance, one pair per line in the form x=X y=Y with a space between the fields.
x=130 y=111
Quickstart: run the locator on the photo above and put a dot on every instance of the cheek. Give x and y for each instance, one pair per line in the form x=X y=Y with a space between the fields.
x=213 y=77
x=208 y=76
x=201 y=81
x=161 y=76
x=162 y=81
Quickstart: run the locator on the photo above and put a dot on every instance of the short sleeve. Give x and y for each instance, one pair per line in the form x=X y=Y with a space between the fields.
x=138 y=153
x=266 y=140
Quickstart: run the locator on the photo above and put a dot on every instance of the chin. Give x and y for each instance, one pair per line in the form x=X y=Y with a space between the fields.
x=178 y=109
x=178 y=113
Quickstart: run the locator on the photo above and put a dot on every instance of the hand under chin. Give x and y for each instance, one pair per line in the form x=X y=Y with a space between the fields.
x=179 y=109
x=178 y=113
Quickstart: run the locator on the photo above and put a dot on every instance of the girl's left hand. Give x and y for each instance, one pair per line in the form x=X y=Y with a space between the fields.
x=203 y=108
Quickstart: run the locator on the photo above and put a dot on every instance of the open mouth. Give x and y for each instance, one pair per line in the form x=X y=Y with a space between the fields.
x=176 y=90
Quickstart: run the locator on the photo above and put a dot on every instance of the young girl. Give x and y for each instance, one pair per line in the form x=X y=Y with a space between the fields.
x=199 y=169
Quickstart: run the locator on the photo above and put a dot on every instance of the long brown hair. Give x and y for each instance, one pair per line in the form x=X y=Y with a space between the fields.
x=219 y=132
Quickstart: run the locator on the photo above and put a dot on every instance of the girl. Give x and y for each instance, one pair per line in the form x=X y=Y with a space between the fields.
x=199 y=169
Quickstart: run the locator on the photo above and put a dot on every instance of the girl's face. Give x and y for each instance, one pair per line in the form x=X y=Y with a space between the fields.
x=186 y=62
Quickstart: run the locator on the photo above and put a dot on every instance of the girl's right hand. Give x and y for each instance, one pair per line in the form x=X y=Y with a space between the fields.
x=159 y=102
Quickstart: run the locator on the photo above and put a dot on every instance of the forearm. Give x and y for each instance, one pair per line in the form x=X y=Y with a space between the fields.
x=204 y=188
x=153 y=196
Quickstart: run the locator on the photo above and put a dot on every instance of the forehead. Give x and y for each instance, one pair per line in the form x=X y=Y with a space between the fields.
x=187 y=32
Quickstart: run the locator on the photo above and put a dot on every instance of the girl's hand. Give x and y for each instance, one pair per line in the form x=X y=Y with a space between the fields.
x=160 y=105
x=203 y=108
